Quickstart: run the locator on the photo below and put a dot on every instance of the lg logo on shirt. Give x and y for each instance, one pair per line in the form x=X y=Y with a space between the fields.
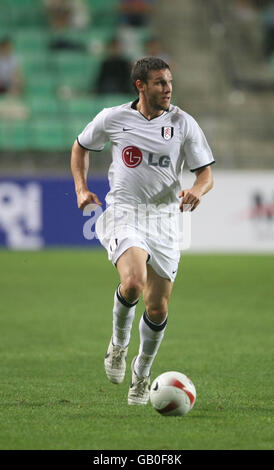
x=132 y=157
x=163 y=161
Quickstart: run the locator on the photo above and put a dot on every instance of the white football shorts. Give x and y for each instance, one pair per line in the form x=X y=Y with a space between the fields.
x=117 y=233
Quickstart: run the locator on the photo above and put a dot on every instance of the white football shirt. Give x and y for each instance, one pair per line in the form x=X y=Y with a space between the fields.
x=147 y=155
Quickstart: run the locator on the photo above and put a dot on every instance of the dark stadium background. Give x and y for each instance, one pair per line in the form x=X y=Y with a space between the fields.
x=221 y=54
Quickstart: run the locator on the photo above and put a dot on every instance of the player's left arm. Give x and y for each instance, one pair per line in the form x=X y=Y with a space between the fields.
x=202 y=184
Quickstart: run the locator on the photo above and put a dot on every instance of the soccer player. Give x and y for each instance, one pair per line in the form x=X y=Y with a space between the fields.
x=150 y=140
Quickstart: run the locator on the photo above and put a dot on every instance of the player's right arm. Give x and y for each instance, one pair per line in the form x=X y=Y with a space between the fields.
x=79 y=168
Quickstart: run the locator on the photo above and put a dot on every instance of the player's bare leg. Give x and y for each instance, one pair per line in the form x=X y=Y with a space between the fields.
x=156 y=295
x=133 y=273
x=132 y=269
x=152 y=326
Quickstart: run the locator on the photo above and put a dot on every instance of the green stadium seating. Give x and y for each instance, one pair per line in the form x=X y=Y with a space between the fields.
x=59 y=84
x=35 y=62
x=15 y=135
x=109 y=100
x=22 y=12
x=81 y=107
x=88 y=107
x=40 y=83
x=75 y=125
x=30 y=13
x=104 y=12
x=21 y=135
x=49 y=134
x=30 y=39
x=5 y=135
x=41 y=105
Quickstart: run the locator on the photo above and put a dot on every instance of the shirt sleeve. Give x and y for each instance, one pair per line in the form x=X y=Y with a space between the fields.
x=94 y=136
x=196 y=149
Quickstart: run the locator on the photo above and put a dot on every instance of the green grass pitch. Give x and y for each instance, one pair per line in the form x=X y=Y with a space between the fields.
x=55 y=323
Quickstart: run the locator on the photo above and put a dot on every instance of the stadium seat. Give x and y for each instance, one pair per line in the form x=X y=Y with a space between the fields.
x=104 y=12
x=43 y=105
x=22 y=13
x=26 y=38
x=87 y=107
x=15 y=135
x=40 y=83
x=58 y=83
x=5 y=135
x=109 y=100
x=49 y=134
x=84 y=106
x=74 y=69
x=34 y=61
x=75 y=125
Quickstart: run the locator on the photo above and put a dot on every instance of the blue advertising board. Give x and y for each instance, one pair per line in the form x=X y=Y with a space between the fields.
x=43 y=212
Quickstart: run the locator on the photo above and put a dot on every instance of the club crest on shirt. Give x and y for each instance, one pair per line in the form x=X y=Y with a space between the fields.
x=167 y=132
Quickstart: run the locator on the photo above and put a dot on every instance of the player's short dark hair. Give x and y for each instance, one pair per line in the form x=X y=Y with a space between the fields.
x=142 y=67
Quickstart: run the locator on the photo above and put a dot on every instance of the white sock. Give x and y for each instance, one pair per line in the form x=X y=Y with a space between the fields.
x=123 y=316
x=151 y=336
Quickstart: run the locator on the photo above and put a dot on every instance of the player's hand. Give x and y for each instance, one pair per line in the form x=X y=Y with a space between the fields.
x=85 y=197
x=191 y=198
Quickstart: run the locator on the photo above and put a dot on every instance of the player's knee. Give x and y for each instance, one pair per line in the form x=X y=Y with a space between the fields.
x=133 y=287
x=157 y=312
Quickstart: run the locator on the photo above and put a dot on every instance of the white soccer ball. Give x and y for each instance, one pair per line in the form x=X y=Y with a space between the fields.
x=172 y=394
